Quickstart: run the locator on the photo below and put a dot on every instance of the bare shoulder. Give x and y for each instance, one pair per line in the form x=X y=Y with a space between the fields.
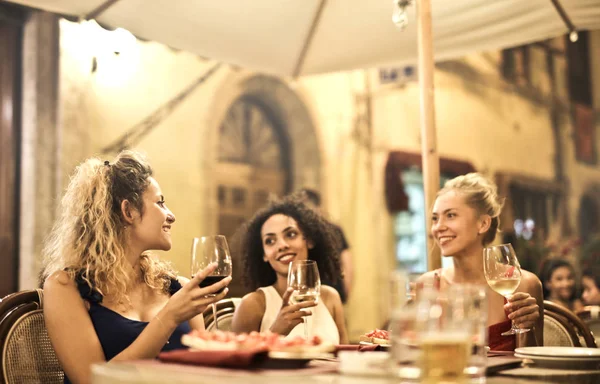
x=61 y=289
x=248 y=315
x=59 y=281
x=530 y=281
x=253 y=302
x=428 y=277
x=328 y=291
x=330 y=295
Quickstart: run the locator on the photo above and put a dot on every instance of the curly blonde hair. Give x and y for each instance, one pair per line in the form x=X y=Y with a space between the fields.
x=88 y=240
x=480 y=194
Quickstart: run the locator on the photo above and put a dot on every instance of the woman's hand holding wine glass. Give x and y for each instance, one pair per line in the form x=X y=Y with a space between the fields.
x=290 y=315
x=305 y=282
x=503 y=274
x=524 y=310
x=191 y=300
x=206 y=252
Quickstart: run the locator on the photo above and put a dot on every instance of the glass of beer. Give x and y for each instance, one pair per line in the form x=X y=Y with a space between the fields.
x=444 y=337
x=476 y=312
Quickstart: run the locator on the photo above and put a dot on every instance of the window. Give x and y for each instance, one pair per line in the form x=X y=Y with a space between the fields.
x=239 y=197
x=580 y=93
x=534 y=210
x=531 y=207
x=409 y=225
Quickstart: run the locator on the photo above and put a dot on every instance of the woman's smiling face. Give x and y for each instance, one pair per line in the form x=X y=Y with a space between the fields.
x=456 y=227
x=562 y=283
x=283 y=242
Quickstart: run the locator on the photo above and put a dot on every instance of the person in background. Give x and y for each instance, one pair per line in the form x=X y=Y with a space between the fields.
x=591 y=285
x=284 y=231
x=343 y=284
x=105 y=297
x=558 y=279
x=465 y=219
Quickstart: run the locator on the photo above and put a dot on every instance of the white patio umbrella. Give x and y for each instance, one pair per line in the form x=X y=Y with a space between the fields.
x=300 y=37
x=303 y=37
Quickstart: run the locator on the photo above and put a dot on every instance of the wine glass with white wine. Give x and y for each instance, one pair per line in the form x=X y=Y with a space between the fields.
x=503 y=274
x=303 y=277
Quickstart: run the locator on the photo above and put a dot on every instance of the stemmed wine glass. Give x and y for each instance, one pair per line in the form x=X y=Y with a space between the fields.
x=303 y=277
x=207 y=250
x=503 y=274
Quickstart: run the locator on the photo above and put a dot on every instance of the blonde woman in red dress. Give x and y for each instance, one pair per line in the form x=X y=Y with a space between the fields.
x=465 y=219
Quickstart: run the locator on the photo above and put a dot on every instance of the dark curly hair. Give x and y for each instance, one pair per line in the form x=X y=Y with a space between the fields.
x=315 y=228
x=547 y=270
x=593 y=272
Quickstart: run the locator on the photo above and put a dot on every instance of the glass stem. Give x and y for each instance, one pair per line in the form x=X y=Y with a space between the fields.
x=306 y=328
x=214 y=308
x=514 y=326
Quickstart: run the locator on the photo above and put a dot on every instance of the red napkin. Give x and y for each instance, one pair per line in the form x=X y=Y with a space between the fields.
x=233 y=359
x=357 y=347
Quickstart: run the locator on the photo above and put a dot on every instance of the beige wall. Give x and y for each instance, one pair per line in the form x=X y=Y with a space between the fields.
x=480 y=119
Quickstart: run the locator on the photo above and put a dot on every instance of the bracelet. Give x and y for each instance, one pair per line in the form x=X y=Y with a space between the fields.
x=162 y=324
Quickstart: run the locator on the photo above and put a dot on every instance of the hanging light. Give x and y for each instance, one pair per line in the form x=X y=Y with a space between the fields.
x=573 y=36
x=399 y=16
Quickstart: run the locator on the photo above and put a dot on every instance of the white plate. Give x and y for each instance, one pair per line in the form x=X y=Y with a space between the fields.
x=562 y=362
x=381 y=345
x=562 y=352
x=363 y=364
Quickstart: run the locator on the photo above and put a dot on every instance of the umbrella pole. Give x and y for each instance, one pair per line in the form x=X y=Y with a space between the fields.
x=429 y=154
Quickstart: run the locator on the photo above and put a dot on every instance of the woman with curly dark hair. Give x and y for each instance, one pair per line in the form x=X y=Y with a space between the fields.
x=284 y=231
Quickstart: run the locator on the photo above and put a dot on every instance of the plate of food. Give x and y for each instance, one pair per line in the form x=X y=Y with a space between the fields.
x=223 y=340
x=377 y=336
x=283 y=352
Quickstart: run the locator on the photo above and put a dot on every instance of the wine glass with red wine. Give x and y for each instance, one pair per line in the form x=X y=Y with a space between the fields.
x=207 y=250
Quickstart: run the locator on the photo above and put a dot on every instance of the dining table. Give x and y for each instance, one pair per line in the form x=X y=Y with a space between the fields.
x=318 y=372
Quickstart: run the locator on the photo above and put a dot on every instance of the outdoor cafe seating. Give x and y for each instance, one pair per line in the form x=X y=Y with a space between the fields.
x=224 y=314
x=591 y=316
x=564 y=328
x=28 y=357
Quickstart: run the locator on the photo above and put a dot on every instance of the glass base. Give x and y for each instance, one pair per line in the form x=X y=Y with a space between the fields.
x=515 y=331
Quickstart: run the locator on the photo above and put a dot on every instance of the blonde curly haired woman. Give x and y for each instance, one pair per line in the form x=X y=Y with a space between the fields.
x=105 y=297
x=465 y=218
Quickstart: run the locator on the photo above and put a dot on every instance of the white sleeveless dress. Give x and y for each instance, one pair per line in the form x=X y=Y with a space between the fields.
x=320 y=323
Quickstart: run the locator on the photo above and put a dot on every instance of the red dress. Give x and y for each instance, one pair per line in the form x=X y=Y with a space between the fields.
x=496 y=341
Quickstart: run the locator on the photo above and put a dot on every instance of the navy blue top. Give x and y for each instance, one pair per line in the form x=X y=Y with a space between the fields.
x=117 y=332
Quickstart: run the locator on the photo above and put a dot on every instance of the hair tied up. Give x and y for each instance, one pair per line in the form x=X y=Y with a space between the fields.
x=106 y=163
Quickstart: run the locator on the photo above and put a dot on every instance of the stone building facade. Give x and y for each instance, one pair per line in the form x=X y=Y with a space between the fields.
x=331 y=132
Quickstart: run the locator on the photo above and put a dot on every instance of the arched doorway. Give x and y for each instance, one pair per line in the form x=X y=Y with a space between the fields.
x=266 y=144
x=253 y=162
